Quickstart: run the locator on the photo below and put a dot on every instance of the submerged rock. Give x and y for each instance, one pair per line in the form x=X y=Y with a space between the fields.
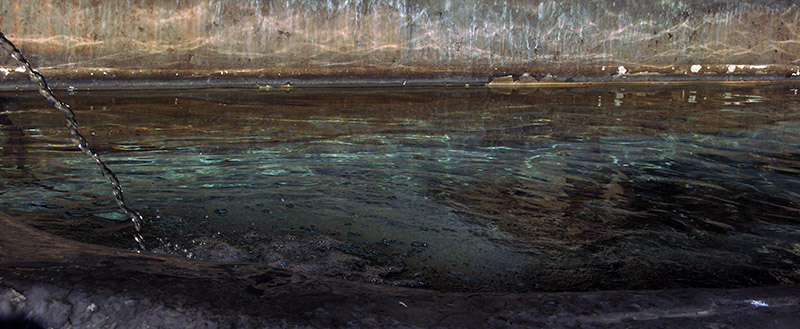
x=55 y=283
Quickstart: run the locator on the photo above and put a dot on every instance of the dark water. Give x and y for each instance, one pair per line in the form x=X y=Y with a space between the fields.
x=446 y=189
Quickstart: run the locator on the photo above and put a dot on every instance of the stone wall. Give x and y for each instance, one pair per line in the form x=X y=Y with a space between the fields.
x=401 y=39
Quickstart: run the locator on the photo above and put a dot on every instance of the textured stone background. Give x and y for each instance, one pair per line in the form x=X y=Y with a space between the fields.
x=406 y=37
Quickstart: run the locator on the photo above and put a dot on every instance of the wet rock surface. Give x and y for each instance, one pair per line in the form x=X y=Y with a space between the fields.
x=80 y=285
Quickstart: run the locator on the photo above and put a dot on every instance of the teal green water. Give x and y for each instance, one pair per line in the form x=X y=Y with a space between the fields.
x=448 y=189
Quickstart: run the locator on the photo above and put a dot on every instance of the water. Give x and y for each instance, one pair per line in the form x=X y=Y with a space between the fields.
x=76 y=136
x=451 y=189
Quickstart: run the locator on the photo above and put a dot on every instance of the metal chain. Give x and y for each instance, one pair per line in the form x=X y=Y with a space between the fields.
x=77 y=138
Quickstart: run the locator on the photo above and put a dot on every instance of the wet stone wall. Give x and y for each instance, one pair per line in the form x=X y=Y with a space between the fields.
x=396 y=40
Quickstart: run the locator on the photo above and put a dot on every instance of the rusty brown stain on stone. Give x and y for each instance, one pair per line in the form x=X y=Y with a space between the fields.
x=404 y=37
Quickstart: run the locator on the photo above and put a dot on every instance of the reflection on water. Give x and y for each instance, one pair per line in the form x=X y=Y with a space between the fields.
x=14 y=148
x=449 y=189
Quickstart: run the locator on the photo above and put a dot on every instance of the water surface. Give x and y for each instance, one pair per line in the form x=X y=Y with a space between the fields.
x=450 y=189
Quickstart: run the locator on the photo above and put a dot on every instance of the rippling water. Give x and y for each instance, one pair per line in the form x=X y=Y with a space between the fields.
x=450 y=189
